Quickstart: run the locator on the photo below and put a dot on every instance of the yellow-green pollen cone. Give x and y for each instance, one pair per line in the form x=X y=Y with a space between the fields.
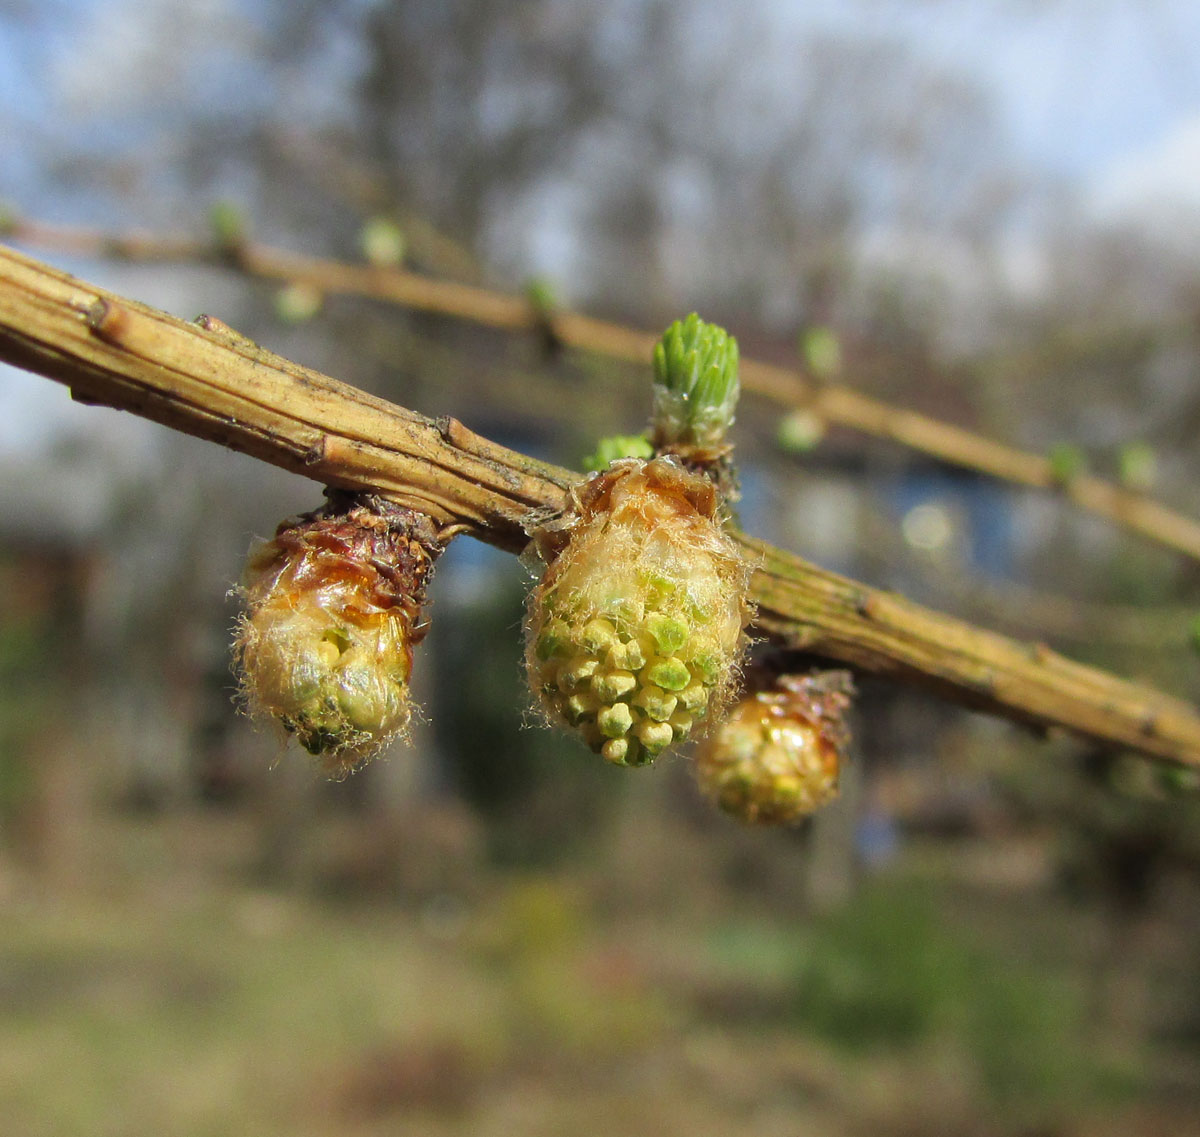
x=777 y=757
x=635 y=632
x=332 y=608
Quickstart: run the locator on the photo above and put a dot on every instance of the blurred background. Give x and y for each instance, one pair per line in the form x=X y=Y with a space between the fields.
x=988 y=210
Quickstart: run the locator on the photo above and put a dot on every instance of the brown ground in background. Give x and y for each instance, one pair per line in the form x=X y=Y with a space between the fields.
x=162 y=992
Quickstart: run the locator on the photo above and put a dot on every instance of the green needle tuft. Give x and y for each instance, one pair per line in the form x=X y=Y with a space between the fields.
x=695 y=384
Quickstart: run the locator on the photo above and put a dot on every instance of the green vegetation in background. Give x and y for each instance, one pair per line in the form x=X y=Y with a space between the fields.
x=888 y=974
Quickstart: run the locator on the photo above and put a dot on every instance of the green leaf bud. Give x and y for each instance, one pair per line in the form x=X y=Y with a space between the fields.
x=1177 y=780
x=608 y=450
x=541 y=296
x=382 y=242
x=298 y=302
x=1194 y=634
x=1137 y=466
x=800 y=432
x=1067 y=462
x=822 y=352
x=696 y=386
x=228 y=226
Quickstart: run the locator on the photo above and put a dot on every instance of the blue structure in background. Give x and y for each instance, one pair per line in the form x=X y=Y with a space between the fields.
x=986 y=504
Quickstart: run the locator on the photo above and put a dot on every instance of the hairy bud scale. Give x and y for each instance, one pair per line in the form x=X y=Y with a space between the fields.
x=333 y=604
x=636 y=629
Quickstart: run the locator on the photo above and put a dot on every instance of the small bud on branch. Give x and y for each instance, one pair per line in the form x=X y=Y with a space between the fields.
x=233 y=393
x=333 y=603
x=696 y=387
x=777 y=757
x=636 y=629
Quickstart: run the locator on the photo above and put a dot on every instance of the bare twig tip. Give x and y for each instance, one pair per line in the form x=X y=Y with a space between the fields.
x=864 y=605
x=106 y=320
x=447 y=427
x=217 y=325
x=317 y=452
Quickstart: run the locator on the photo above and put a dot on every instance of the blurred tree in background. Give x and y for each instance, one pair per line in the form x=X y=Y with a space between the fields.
x=1007 y=921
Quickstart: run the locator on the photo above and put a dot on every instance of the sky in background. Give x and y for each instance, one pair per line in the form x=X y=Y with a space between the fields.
x=1089 y=89
x=1103 y=92
x=1082 y=84
x=1103 y=95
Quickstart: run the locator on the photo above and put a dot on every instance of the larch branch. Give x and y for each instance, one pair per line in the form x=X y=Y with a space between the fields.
x=835 y=404
x=206 y=380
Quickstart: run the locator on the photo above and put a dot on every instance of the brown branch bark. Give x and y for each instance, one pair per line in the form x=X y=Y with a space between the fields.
x=208 y=381
x=835 y=404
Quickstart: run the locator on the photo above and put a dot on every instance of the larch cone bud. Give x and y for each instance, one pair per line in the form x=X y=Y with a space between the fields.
x=635 y=632
x=777 y=757
x=333 y=604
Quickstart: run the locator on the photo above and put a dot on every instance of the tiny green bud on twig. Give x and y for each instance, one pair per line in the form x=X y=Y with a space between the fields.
x=822 y=352
x=228 y=226
x=542 y=297
x=695 y=387
x=382 y=242
x=1179 y=780
x=333 y=606
x=608 y=450
x=1067 y=462
x=800 y=431
x=543 y=302
x=298 y=302
x=1137 y=466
